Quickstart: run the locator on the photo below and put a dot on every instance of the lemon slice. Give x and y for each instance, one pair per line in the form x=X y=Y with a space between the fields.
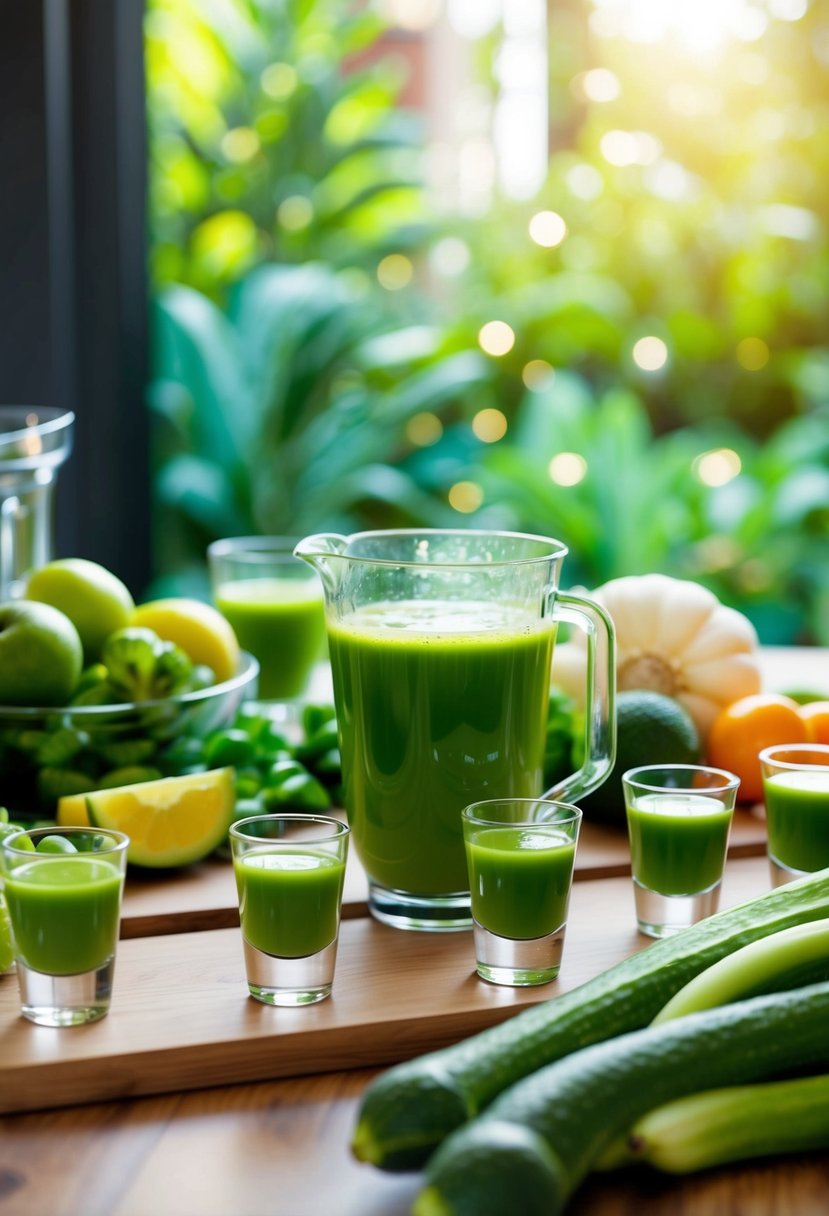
x=199 y=629
x=170 y=822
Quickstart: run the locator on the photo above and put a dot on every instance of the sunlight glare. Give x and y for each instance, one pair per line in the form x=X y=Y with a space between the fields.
x=699 y=26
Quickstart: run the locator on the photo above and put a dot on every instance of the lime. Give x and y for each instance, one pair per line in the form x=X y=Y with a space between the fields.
x=170 y=822
x=650 y=729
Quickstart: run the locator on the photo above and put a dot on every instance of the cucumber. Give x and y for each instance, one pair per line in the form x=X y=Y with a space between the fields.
x=788 y=959
x=406 y=1112
x=725 y=1125
x=541 y=1137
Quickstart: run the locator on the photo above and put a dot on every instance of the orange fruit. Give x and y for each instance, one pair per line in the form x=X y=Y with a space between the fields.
x=816 y=717
x=741 y=731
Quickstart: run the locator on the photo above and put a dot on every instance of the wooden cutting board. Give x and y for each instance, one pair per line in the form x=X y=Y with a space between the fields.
x=181 y=1018
x=204 y=896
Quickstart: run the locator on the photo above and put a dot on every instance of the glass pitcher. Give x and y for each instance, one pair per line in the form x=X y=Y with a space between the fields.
x=441 y=644
x=34 y=443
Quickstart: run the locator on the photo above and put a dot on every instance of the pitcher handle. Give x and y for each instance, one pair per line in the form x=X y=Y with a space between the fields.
x=600 y=698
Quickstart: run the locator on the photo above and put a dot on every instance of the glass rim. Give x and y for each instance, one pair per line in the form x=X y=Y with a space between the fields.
x=299 y=817
x=98 y=714
x=53 y=419
x=557 y=549
x=253 y=546
x=730 y=780
x=572 y=813
x=119 y=841
x=766 y=756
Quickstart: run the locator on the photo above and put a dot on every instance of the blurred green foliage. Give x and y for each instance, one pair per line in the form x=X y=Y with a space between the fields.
x=294 y=391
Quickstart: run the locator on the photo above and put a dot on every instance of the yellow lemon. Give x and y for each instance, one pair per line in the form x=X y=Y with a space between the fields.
x=71 y=812
x=170 y=822
x=199 y=629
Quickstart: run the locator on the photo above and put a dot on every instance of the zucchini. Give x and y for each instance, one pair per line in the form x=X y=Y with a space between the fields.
x=541 y=1137
x=724 y=1125
x=787 y=959
x=407 y=1111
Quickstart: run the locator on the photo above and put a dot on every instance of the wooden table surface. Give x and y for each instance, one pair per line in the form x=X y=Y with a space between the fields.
x=280 y=1148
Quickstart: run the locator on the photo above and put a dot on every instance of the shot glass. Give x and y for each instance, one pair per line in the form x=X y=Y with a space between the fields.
x=520 y=854
x=274 y=601
x=63 y=889
x=289 y=877
x=796 y=789
x=679 y=818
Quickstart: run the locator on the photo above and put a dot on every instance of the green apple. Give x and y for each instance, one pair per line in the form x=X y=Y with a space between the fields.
x=40 y=654
x=95 y=600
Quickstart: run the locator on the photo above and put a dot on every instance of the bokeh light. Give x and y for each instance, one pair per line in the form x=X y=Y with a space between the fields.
x=295 y=212
x=240 y=144
x=548 y=229
x=489 y=425
x=466 y=496
x=567 y=469
x=496 y=338
x=717 y=467
x=650 y=354
x=752 y=354
x=424 y=429
x=395 y=271
x=537 y=374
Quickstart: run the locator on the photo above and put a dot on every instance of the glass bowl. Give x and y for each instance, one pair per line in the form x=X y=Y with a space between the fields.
x=46 y=753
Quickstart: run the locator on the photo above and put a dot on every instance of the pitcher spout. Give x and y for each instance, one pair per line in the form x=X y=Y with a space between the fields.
x=318 y=550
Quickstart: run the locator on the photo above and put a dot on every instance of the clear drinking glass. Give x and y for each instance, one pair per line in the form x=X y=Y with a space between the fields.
x=275 y=604
x=796 y=790
x=64 y=900
x=520 y=853
x=679 y=818
x=289 y=872
x=34 y=443
x=440 y=645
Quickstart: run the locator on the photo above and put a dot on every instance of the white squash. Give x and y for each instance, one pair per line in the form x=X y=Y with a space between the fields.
x=675 y=637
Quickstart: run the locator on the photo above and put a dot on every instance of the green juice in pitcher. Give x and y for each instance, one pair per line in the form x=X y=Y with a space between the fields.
x=439 y=704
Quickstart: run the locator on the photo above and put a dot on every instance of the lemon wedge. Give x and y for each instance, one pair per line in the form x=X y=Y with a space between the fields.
x=170 y=822
x=199 y=629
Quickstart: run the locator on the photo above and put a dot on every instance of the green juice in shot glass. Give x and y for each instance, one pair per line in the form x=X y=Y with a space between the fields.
x=63 y=890
x=290 y=871
x=520 y=855
x=275 y=604
x=679 y=818
x=796 y=791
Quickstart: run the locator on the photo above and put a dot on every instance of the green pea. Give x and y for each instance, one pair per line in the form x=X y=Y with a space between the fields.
x=133 y=774
x=314 y=717
x=329 y=765
x=247 y=807
x=61 y=746
x=55 y=843
x=183 y=755
x=248 y=782
x=54 y=783
x=124 y=753
x=229 y=747
x=323 y=740
x=301 y=791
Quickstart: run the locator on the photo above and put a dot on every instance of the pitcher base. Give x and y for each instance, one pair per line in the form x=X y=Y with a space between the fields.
x=429 y=913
